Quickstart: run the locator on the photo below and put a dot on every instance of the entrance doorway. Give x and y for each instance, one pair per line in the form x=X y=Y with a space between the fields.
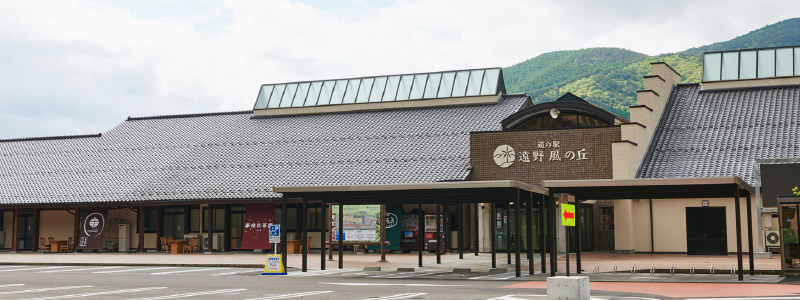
x=25 y=234
x=706 y=231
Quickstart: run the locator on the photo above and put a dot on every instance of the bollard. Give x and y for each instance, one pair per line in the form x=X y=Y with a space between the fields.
x=691 y=271
x=653 y=269
x=574 y=287
x=614 y=271
x=633 y=270
x=711 y=270
x=672 y=270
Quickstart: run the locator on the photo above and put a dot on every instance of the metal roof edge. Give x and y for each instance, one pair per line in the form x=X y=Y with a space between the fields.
x=48 y=138
x=177 y=116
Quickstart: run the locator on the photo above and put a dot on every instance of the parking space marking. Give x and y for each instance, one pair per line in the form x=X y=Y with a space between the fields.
x=501 y=276
x=83 y=295
x=320 y=272
x=11 y=285
x=515 y=297
x=13 y=266
x=187 y=271
x=400 y=296
x=134 y=270
x=295 y=295
x=392 y=284
x=79 y=269
x=45 y=289
x=187 y=295
x=238 y=272
x=34 y=269
x=408 y=274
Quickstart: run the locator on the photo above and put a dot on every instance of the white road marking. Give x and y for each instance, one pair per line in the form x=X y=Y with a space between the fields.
x=11 y=285
x=134 y=270
x=187 y=295
x=502 y=276
x=320 y=272
x=13 y=266
x=238 y=272
x=408 y=274
x=296 y=295
x=391 y=284
x=98 y=293
x=187 y=271
x=750 y=298
x=45 y=289
x=79 y=269
x=34 y=269
x=400 y=296
x=514 y=297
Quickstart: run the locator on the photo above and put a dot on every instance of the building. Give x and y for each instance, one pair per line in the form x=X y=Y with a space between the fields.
x=212 y=175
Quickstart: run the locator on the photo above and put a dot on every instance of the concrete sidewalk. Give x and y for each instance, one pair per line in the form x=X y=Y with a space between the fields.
x=605 y=261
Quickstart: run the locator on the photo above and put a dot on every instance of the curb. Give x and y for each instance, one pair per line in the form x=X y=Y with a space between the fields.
x=133 y=265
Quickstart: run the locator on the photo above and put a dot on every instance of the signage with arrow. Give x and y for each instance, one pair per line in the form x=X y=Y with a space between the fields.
x=567 y=214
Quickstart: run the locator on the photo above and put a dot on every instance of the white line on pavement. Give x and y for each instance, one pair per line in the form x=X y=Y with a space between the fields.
x=514 y=297
x=187 y=271
x=98 y=293
x=391 y=284
x=11 y=285
x=79 y=269
x=45 y=289
x=750 y=298
x=134 y=270
x=408 y=274
x=13 y=266
x=400 y=296
x=187 y=295
x=320 y=272
x=502 y=276
x=238 y=272
x=34 y=269
x=296 y=295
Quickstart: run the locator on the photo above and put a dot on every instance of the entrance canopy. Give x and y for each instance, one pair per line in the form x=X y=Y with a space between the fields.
x=666 y=188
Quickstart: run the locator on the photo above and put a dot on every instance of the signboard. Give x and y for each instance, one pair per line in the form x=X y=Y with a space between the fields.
x=274 y=234
x=393 y=228
x=255 y=234
x=360 y=223
x=274 y=266
x=567 y=214
x=92 y=235
x=779 y=180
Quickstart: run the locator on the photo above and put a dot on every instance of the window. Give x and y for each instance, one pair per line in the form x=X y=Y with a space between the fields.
x=2 y=221
x=194 y=219
x=564 y=120
x=607 y=218
x=150 y=220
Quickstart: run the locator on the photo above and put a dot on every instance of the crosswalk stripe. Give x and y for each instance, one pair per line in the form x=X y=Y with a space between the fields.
x=187 y=271
x=11 y=285
x=134 y=270
x=238 y=272
x=79 y=269
x=187 y=295
x=34 y=269
x=45 y=289
x=98 y=293
x=296 y=295
x=400 y=296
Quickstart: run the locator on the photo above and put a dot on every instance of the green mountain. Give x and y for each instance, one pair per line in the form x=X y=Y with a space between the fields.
x=610 y=77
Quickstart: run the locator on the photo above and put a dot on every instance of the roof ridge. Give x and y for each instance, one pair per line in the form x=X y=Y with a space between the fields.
x=45 y=138
x=750 y=88
x=176 y=116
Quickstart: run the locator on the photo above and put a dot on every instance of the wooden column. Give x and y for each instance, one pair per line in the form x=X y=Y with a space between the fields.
x=383 y=233
x=476 y=227
x=420 y=232
x=141 y=227
x=493 y=234
x=15 y=242
x=284 y=229
x=158 y=229
x=323 y=209
x=75 y=233
x=36 y=230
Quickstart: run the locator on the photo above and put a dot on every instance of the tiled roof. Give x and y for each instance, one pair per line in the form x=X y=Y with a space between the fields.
x=722 y=132
x=234 y=156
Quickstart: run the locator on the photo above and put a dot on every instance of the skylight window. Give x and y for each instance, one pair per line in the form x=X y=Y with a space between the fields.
x=751 y=64
x=421 y=86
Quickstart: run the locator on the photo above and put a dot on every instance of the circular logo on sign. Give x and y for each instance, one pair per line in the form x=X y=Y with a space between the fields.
x=93 y=224
x=391 y=220
x=504 y=156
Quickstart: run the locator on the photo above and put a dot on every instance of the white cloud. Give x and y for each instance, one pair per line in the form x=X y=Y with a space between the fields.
x=73 y=67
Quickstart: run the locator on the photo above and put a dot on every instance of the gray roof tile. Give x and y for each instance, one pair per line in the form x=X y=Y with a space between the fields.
x=232 y=156
x=723 y=132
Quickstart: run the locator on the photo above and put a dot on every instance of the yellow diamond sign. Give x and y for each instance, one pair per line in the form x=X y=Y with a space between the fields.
x=567 y=214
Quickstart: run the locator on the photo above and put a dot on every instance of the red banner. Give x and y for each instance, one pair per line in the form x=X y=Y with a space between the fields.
x=257 y=218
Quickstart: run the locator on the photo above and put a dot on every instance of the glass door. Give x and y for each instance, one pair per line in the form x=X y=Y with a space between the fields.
x=587 y=227
x=236 y=219
x=26 y=228
x=173 y=224
x=789 y=241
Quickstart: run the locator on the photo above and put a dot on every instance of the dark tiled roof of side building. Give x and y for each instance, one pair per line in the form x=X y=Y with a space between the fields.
x=722 y=132
x=233 y=156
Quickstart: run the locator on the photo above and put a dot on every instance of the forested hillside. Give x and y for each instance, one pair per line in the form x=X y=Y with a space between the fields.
x=610 y=77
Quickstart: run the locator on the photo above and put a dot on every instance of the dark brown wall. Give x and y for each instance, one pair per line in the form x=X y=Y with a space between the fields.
x=597 y=165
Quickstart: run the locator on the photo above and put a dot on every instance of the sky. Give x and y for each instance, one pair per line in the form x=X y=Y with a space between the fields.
x=82 y=67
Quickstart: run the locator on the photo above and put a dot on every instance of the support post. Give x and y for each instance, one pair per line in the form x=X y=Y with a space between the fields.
x=578 y=236
x=508 y=231
x=140 y=225
x=438 y=234
x=284 y=228
x=420 y=232
x=542 y=244
x=750 y=244
x=329 y=225
x=551 y=230
x=461 y=229
x=15 y=234
x=475 y=227
x=304 y=242
x=36 y=230
x=76 y=233
x=340 y=233
x=738 y=235
x=517 y=235
x=493 y=232
x=566 y=247
x=529 y=230
x=158 y=229
x=324 y=232
x=383 y=233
